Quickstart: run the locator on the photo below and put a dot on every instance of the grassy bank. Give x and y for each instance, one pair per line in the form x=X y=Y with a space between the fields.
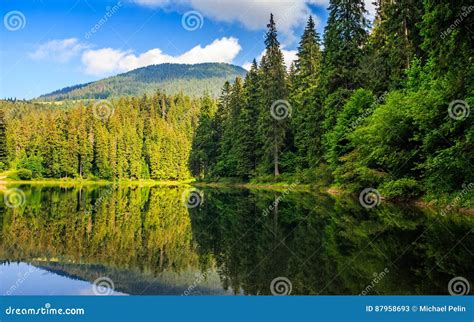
x=10 y=178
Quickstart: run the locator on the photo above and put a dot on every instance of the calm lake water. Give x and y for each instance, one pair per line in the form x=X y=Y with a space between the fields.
x=173 y=241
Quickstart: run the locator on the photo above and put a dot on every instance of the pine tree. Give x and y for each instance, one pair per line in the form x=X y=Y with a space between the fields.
x=394 y=42
x=3 y=141
x=305 y=97
x=344 y=40
x=205 y=145
x=246 y=140
x=219 y=125
x=274 y=109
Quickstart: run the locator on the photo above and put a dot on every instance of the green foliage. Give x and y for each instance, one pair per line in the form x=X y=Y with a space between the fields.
x=345 y=36
x=306 y=100
x=24 y=174
x=3 y=141
x=355 y=111
x=33 y=164
x=404 y=188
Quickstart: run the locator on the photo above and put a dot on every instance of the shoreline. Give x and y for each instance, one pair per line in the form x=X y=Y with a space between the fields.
x=283 y=186
x=80 y=182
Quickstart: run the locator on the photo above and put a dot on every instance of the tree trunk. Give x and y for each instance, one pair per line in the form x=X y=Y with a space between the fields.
x=275 y=160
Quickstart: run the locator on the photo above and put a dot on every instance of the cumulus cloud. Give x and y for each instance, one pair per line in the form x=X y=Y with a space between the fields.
x=61 y=50
x=289 y=14
x=109 y=60
x=253 y=15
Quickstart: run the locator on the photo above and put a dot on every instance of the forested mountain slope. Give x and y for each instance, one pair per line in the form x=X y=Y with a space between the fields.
x=192 y=80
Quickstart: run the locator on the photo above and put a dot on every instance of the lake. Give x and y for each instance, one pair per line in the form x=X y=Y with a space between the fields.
x=164 y=240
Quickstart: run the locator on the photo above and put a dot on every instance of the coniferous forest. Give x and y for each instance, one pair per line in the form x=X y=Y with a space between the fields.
x=383 y=105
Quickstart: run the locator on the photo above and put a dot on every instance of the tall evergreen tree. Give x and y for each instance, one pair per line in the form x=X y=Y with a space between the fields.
x=394 y=42
x=272 y=127
x=344 y=40
x=306 y=97
x=247 y=143
x=3 y=141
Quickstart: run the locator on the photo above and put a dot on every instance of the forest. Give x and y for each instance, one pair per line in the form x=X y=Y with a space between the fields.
x=128 y=138
x=383 y=105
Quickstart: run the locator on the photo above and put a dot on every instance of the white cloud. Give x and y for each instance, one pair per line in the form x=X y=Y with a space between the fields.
x=109 y=60
x=254 y=15
x=61 y=50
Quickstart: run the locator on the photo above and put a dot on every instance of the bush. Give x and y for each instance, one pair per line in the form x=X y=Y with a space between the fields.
x=405 y=188
x=24 y=174
x=3 y=166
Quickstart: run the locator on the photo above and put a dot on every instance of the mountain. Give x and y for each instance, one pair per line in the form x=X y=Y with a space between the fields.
x=192 y=80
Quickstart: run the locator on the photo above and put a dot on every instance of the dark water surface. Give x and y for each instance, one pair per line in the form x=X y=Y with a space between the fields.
x=153 y=240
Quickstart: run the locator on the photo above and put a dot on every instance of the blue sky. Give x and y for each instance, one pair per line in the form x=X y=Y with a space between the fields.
x=49 y=44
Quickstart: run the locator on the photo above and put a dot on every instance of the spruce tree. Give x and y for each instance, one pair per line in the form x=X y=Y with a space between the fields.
x=344 y=40
x=394 y=42
x=3 y=141
x=246 y=140
x=274 y=109
x=306 y=97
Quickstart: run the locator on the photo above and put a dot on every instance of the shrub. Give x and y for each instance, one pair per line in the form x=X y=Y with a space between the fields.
x=405 y=188
x=24 y=174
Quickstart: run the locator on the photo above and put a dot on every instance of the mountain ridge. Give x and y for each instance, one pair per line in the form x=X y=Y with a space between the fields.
x=190 y=79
